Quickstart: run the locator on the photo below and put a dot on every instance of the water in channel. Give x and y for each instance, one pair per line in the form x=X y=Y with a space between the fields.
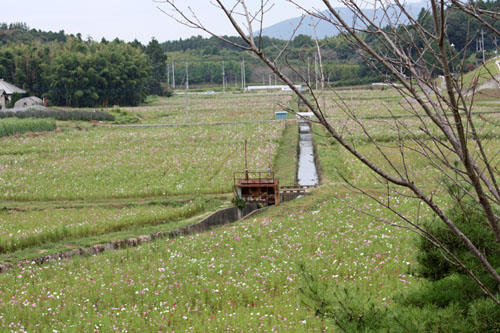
x=307 y=174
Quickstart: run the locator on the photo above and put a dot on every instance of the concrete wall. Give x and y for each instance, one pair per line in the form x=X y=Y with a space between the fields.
x=221 y=217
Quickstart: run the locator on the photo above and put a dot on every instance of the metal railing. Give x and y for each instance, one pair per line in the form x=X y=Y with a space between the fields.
x=253 y=177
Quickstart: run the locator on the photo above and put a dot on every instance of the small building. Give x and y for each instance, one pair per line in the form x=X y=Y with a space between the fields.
x=6 y=91
x=273 y=87
x=281 y=115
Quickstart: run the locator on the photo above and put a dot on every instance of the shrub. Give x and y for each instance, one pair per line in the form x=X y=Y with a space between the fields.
x=350 y=309
x=13 y=99
x=238 y=202
x=449 y=286
x=468 y=218
x=124 y=117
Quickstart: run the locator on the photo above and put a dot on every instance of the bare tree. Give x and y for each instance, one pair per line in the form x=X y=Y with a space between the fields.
x=446 y=132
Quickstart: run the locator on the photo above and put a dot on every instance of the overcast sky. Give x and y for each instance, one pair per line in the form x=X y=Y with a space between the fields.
x=128 y=19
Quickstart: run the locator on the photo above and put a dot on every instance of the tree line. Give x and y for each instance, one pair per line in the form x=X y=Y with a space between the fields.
x=70 y=71
x=82 y=73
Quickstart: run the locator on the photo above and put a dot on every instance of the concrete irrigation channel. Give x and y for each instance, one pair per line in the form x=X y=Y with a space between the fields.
x=219 y=218
x=307 y=172
x=307 y=177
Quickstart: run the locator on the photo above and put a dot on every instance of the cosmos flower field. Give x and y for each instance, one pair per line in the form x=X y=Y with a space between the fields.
x=128 y=162
x=243 y=277
x=95 y=180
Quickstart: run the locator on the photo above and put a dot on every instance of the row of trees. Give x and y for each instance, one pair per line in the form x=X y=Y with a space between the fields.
x=75 y=73
x=70 y=71
x=84 y=73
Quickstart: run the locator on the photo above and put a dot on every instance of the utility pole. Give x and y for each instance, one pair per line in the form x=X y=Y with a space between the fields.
x=168 y=76
x=482 y=43
x=308 y=72
x=243 y=79
x=223 y=78
x=173 y=75
x=187 y=89
x=316 y=69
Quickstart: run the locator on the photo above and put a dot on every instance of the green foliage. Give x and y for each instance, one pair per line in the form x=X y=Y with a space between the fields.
x=434 y=264
x=209 y=71
x=97 y=74
x=18 y=126
x=60 y=115
x=238 y=202
x=455 y=304
x=485 y=314
x=449 y=286
x=158 y=59
x=13 y=99
x=446 y=300
x=20 y=33
x=78 y=73
x=124 y=117
x=349 y=308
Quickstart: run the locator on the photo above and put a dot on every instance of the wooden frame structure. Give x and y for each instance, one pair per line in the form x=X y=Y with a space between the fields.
x=257 y=186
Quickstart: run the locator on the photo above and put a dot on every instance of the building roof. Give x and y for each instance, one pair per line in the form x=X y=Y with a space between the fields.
x=9 y=88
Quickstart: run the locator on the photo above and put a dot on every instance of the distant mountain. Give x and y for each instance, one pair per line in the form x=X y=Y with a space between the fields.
x=284 y=29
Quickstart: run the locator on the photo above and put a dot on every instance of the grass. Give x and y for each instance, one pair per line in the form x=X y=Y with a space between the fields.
x=211 y=108
x=132 y=230
x=87 y=183
x=482 y=73
x=31 y=228
x=285 y=163
x=18 y=126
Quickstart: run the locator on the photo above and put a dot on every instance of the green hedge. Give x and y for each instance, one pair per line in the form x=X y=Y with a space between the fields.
x=60 y=115
x=17 y=126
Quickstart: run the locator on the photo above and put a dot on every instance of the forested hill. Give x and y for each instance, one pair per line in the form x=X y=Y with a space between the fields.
x=21 y=33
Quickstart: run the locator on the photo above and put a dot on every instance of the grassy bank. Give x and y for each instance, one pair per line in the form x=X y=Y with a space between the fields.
x=13 y=126
x=285 y=162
